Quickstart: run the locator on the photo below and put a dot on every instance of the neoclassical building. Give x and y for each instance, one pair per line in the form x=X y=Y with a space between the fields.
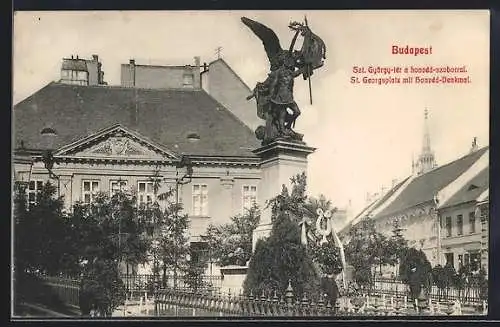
x=104 y=138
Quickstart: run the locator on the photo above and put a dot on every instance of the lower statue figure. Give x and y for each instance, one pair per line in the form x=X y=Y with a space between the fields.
x=275 y=104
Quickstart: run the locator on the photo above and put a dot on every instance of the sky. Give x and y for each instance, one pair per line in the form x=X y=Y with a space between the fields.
x=365 y=134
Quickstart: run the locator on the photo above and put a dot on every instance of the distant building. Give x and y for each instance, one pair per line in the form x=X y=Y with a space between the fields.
x=220 y=81
x=161 y=77
x=78 y=71
x=436 y=206
x=217 y=79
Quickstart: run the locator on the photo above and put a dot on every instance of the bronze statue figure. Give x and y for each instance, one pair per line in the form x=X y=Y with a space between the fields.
x=274 y=96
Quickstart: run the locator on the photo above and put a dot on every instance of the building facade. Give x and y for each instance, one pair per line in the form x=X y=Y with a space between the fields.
x=161 y=77
x=436 y=206
x=106 y=138
x=79 y=71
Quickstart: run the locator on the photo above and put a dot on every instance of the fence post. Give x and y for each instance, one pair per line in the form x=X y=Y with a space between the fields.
x=289 y=298
x=305 y=304
x=321 y=305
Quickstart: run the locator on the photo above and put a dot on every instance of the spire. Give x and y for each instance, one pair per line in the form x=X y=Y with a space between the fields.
x=426 y=144
x=474 y=145
x=426 y=160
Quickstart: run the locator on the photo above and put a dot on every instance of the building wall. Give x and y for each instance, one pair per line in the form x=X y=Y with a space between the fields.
x=484 y=212
x=225 y=86
x=420 y=229
x=225 y=186
x=160 y=77
x=460 y=244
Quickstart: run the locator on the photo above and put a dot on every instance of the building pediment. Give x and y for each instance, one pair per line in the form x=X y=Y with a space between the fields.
x=116 y=143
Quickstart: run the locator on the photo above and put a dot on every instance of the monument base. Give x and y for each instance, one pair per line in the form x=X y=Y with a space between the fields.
x=280 y=161
x=233 y=278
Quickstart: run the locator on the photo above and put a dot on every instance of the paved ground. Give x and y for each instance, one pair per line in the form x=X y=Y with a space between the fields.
x=35 y=310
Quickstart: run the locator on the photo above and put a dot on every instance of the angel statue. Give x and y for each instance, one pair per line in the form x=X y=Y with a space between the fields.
x=274 y=96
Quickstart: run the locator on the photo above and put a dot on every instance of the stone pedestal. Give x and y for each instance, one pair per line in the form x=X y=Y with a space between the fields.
x=280 y=161
x=233 y=278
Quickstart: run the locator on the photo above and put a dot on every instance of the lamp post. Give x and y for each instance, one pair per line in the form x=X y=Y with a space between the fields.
x=437 y=219
x=48 y=161
x=48 y=158
x=185 y=162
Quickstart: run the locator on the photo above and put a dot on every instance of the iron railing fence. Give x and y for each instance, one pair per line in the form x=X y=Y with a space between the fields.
x=67 y=289
x=471 y=294
x=139 y=284
x=183 y=303
x=390 y=299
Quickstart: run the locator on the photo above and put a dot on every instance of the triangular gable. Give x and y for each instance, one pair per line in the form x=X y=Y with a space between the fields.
x=116 y=142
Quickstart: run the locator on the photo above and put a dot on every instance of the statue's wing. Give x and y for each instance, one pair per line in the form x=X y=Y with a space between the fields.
x=267 y=36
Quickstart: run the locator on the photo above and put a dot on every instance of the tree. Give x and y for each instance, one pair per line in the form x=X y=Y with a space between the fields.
x=107 y=232
x=282 y=258
x=416 y=271
x=174 y=240
x=41 y=233
x=231 y=243
x=365 y=249
x=443 y=278
x=279 y=259
x=194 y=273
x=396 y=245
x=101 y=287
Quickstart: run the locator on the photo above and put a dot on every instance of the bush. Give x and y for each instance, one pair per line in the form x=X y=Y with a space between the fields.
x=279 y=259
x=416 y=271
x=101 y=288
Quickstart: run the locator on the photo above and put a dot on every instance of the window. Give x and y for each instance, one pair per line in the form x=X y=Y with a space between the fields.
x=82 y=75
x=188 y=79
x=200 y=200
x=472 y=222
x=460 y=225
x=249 y=197
x=90 y=190
x=145 y=193
x=34 y=189
x=460 y=261
x=466 y=259
x=448 y=226
x=116 y=186
x=449 y=259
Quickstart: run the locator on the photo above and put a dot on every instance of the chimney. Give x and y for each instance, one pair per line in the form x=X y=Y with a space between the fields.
x=197 y=74
x=95 y=57
x=132 y=72
x=71 y=56
x=76 y=56
x=205 y=67
x=394 y=182
x=474 y=145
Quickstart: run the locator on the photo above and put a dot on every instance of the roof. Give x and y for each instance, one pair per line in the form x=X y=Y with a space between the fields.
x=231 y=70
x=163 y=116
x=470 y=191
x=75 y=64
x=378 y=202
x=423 y=188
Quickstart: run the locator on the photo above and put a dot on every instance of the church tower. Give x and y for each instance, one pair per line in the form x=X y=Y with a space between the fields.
x=426 y=160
